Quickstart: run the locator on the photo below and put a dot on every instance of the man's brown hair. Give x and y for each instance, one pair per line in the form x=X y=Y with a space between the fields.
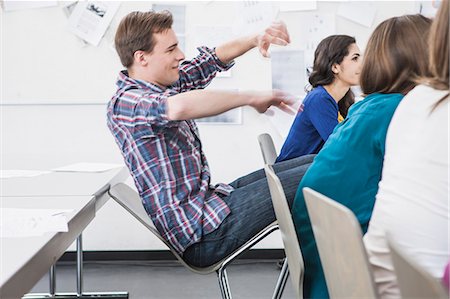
x=396 y=55
x=135 y=33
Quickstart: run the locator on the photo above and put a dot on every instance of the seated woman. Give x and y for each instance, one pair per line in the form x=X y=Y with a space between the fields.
x=348 y=168
x=337 y=65
x=412 y=203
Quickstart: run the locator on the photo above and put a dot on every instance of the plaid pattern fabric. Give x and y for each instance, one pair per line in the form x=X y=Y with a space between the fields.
x=165 y=157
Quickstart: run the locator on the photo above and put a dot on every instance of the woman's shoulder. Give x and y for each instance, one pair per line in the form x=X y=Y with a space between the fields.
x=317 y=95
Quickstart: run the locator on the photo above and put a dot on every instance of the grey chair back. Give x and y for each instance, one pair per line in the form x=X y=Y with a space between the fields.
x=342 y=253
x=413 y=281
x=268 y=150
x=287 y=229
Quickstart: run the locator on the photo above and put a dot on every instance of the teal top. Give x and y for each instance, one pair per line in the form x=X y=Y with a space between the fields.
x=347 y=169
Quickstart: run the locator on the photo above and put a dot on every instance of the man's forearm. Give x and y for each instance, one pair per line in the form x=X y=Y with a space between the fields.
x=203 y=103
x=235 y=48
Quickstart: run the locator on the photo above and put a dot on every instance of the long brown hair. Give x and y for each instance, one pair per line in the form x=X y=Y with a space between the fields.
x=439 y=49
x=396 y=55
x=330 y=51
x=135 y=33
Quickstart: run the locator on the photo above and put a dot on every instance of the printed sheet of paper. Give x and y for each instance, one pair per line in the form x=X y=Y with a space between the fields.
x=87 y=167
x=21 y=223
x=68 y=9
x=11 y=5
x=314 y=27
x=253 y=16
x=297 y=5
x=179 y=21
x=90 y=19
x=18 y=173
x=213 y=36
x=289 y=71
x=361 y=12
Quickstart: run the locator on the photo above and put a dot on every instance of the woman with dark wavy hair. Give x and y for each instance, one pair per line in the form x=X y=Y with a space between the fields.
x=336 y=67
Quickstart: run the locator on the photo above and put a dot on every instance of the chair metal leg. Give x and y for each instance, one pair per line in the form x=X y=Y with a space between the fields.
x=282 y=279
x=223 y=283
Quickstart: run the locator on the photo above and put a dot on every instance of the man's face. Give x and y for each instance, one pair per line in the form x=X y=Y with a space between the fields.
x=165 y=58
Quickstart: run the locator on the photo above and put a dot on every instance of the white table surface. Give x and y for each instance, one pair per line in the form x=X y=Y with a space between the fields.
x=65 y=184
x=23 y=261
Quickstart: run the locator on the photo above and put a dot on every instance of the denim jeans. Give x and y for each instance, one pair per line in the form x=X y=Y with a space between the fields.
x=251 y=211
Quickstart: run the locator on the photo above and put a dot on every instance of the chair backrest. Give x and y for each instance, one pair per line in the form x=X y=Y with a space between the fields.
x=268 y=150
x=342 y=253
x=413 y=281
x=288 y=233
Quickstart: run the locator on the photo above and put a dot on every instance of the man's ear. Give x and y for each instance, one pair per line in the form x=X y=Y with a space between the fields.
x=139 y=58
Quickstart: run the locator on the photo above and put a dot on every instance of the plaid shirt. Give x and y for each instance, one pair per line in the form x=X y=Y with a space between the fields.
x=165 y=157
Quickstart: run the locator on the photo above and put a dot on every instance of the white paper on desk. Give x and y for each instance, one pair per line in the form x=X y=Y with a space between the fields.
x=361 y=12
x=87 y=167
x=18 y=173
x=90 y=19
x=21 y=223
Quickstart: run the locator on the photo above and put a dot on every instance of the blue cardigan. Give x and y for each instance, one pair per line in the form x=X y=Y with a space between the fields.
x=312 y=126
x=348 y=170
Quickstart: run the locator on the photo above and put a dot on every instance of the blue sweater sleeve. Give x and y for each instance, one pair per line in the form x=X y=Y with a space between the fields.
x=323 y=115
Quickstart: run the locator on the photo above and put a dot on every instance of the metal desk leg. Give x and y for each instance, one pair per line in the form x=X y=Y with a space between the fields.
x=52 y=280
x=79 y=294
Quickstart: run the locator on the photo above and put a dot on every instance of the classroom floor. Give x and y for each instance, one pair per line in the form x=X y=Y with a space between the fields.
x=168 y=279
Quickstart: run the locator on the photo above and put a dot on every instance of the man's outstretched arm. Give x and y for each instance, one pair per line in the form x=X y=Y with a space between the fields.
x=203 y=103
x=276 y=34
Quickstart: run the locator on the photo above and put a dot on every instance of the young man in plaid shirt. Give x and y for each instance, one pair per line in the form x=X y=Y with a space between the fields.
x=151 y=117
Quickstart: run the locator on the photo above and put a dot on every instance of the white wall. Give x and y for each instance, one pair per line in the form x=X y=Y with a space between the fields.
x=43 y=63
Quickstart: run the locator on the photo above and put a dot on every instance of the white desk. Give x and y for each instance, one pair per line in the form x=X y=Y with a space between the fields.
x=65 y=184
x=25 y=260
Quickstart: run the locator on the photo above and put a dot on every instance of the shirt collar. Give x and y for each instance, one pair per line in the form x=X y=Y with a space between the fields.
x=125 y=81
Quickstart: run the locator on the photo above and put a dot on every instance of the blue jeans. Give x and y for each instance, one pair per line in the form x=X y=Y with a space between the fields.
x=251 y=211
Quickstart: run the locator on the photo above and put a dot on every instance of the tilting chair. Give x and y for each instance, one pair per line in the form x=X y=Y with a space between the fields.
x=268 y=150
x=269 y=154
x=130 y=200
x=413 y=281
x=291 y=245
x=341 y=249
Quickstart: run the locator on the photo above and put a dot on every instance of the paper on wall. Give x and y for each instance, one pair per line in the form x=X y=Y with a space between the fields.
x=297 y=5
x=213 y=36
x=11 y=5
x=288 y=71
x=361 y=12
x=253 y=16
x=90 y=19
